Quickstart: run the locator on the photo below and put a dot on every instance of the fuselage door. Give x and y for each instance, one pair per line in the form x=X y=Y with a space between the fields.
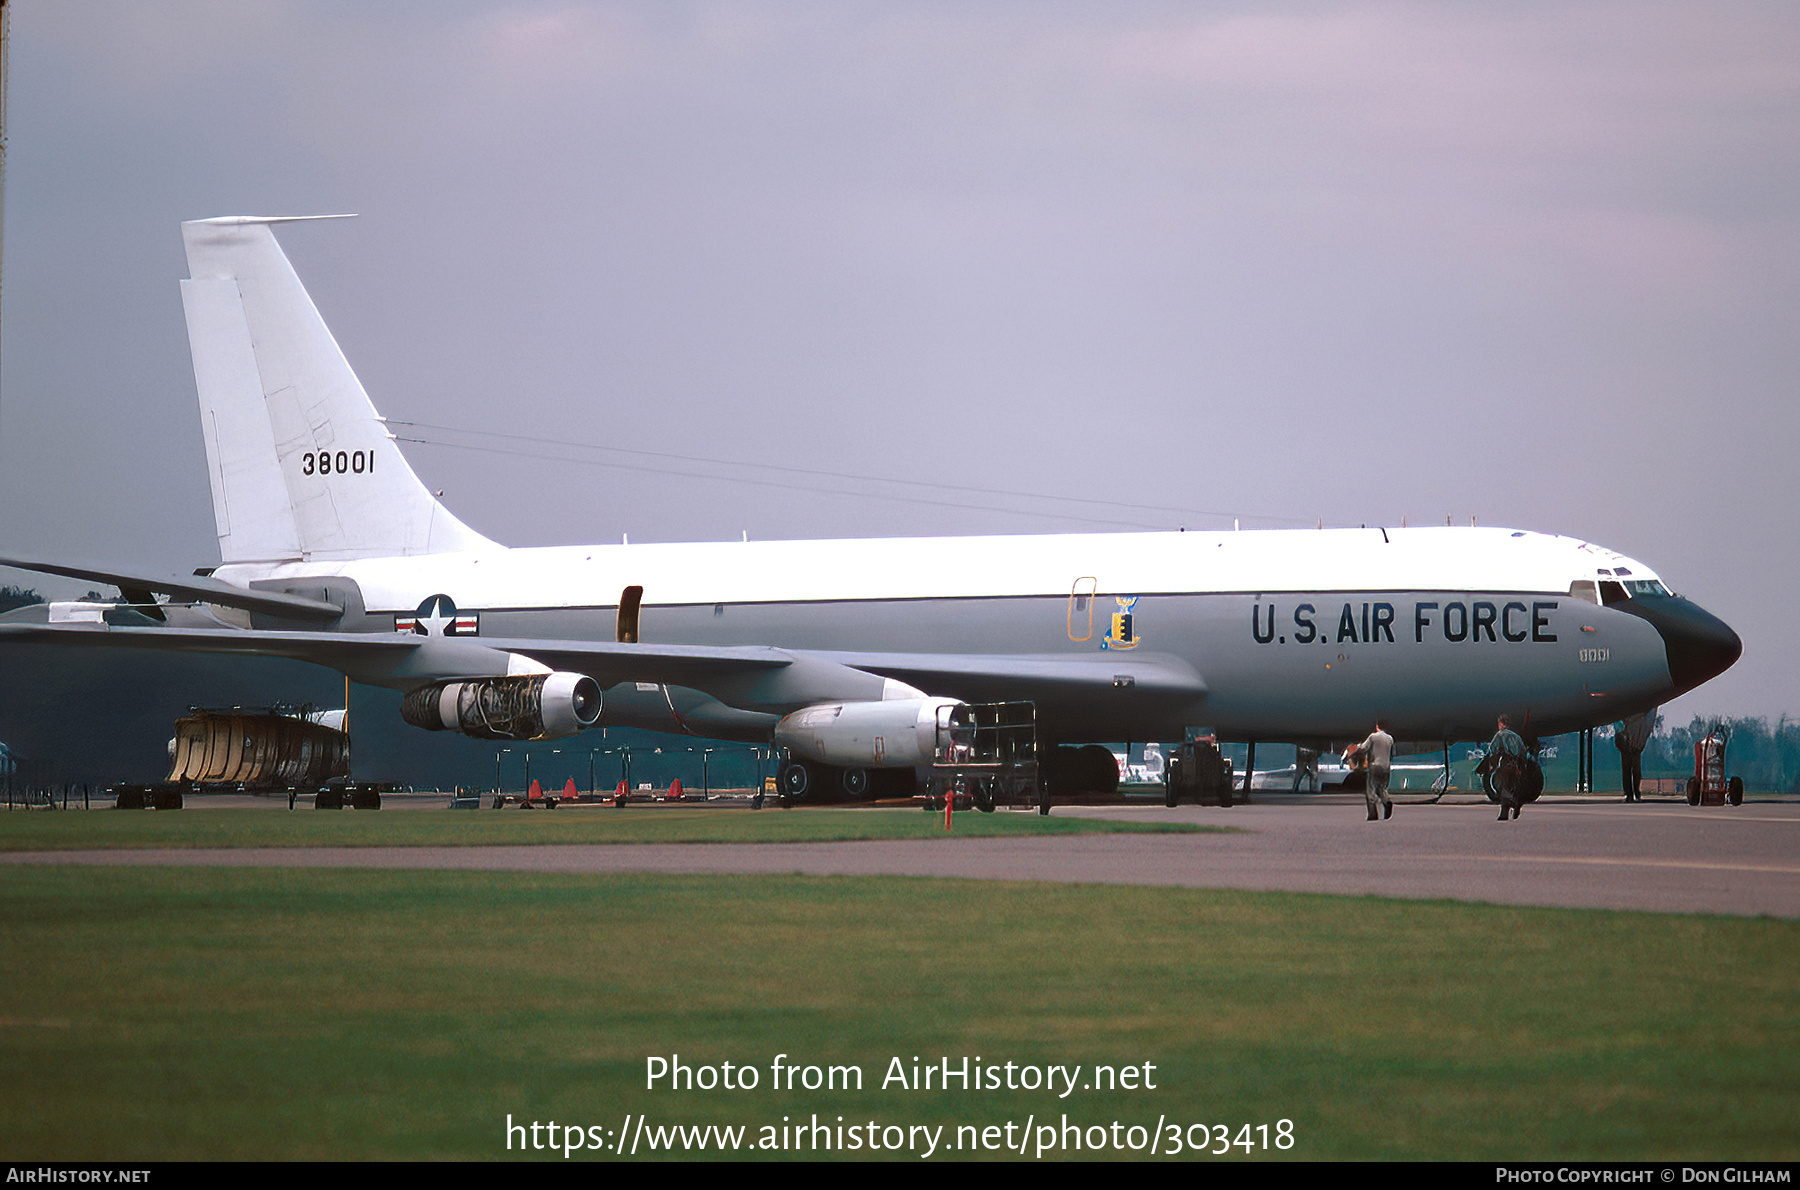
x=629 y=600
x=1081 y=608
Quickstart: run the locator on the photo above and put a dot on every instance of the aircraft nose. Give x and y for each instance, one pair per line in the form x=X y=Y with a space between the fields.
x=1699 y=644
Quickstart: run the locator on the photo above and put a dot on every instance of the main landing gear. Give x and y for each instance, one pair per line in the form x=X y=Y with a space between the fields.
x=808 y=780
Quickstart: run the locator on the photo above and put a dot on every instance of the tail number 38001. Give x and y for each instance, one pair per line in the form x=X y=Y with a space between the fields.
x=344 y=462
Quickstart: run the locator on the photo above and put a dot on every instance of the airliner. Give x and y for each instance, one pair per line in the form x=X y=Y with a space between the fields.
x=847 y=653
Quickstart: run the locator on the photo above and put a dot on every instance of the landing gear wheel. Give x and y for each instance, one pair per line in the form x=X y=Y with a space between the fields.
x=794 y=780
x=1531 y=783
x=983 y=793
x=1693 y=791
x=1043 y=798
x=1487 y=786
x=1734 y=791
x=1100 y=769
x=856 y=782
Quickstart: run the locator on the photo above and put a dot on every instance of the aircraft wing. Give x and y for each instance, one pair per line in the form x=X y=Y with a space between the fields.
x=404 y=660
x=749 y=677
x=1056 y=682
x=987 y=677
x=1104 y=691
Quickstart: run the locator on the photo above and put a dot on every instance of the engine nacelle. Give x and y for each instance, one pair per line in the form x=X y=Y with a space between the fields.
x=893 y=733
x=527 y=707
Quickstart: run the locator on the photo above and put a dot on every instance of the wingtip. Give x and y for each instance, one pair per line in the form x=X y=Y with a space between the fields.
x=244 y=220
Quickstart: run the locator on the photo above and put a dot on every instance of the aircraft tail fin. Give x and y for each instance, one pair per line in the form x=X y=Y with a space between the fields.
x=302 y=467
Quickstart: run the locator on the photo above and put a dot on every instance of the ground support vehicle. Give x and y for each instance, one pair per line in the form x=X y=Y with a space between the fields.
x=1198 y=770
x=358 y=795
x=257 y=750
x=986 y=755
x=173 y=795
x=267 y=750
x=1709 y=786
x=165 y=796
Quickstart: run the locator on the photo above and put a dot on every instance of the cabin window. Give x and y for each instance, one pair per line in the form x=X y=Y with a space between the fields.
x=1612 y=592
x=1584 y=589
x=1643 y=586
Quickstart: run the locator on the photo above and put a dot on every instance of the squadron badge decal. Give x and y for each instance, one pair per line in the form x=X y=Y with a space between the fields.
x=1123 y=633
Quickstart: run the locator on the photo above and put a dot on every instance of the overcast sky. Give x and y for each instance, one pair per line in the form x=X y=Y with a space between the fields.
x=1531 y=263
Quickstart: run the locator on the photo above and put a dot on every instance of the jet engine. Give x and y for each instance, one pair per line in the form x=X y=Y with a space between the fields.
x=891 y=733
x=528 y=707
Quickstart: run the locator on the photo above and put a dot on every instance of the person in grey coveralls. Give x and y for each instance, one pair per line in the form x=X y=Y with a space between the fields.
x=1378 y=757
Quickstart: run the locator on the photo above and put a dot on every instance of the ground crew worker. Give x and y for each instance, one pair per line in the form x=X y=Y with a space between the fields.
x=1629 y=738
x=1306 y=770
x=1377 y=753
x=1506 y=761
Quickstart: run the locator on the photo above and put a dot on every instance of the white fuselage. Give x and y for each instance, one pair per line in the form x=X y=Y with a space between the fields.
x=935 y=568
x=1296 y=633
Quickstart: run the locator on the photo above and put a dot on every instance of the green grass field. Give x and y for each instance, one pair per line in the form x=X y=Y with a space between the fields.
x=275 y=826
x=231 y=1013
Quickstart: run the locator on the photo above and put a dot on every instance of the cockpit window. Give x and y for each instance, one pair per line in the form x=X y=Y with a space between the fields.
x=1610 y=591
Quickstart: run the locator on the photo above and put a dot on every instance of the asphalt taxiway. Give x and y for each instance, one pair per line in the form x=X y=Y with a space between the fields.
x=1579 y=852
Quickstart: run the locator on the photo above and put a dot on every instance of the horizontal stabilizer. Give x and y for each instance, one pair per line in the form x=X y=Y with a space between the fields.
x=191 y=588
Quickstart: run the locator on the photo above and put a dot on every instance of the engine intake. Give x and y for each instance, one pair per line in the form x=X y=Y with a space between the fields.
x=531 y=707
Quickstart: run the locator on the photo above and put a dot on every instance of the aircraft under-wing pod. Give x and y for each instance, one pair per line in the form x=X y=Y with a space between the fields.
x=847 y=652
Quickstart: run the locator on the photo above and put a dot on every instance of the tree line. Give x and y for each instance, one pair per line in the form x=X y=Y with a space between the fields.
x=13 y=598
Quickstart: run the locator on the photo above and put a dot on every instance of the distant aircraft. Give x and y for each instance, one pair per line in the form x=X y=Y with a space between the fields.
x=848 y=652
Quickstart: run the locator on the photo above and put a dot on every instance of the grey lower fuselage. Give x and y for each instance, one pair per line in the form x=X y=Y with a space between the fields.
x=1439 y=664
